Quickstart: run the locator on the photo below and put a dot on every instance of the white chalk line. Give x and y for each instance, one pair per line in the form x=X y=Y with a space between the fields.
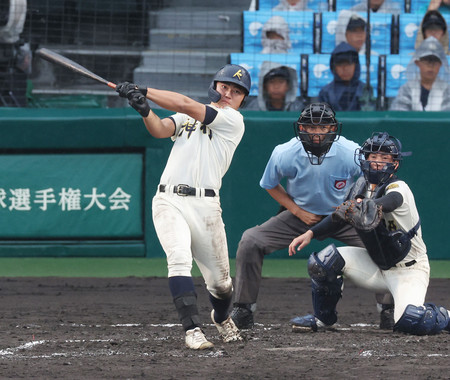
x=18 y=352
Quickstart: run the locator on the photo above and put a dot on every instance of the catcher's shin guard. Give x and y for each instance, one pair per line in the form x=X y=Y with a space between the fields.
x=325 y=269
x=428 y=319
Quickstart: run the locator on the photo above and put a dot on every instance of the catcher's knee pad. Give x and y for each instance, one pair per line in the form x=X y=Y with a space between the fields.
x=325 y=269
x=428 y=319
x=186 y=305
x=326 y=265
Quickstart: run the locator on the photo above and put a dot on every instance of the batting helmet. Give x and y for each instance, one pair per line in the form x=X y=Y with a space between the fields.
x=230 y=74
x=317 y=144
x=380 y=142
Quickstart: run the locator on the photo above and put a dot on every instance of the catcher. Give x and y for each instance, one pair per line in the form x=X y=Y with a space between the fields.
x=382 y=209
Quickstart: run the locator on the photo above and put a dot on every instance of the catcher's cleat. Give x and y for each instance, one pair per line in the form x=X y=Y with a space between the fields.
x=387 y=318
x=308 y=323
x=227 y=329
x=242 y=317
x=195 y=339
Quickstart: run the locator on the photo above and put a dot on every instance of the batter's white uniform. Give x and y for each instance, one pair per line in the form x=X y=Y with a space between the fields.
x=191 y=227
x=407 y=284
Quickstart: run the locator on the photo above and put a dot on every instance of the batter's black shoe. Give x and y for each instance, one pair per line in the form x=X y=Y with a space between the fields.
x=387 y=317
x=242 y=316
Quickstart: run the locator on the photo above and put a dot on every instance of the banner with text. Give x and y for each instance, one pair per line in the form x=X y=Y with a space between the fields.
x=71 y=196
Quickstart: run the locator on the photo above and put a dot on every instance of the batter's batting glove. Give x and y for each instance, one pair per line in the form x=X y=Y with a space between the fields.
x=139 y=103
x=125 y=89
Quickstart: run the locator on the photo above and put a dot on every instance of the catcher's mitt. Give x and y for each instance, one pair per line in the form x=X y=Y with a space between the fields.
x=364 y=215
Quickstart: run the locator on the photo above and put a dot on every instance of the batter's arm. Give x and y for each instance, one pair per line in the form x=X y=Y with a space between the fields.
x=159 y=128
x=176 y=102
x=283 y=198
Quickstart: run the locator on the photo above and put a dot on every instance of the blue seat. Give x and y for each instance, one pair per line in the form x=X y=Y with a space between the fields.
x=419 y=6
x=314 y=5
x=319 y=73
x=395 y=73
x=253 y=61
x=300 y=30
x=409 y=24
x=408 y=27
x=347 y=4
x=380 y=32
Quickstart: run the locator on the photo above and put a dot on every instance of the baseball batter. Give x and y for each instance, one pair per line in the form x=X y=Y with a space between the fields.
x=186 y=208
x=395 y=258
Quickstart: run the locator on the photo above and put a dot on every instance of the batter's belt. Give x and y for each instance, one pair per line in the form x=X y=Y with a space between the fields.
x=185 y=190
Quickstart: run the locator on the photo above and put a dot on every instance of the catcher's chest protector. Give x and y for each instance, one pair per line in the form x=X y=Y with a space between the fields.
x=386 y=248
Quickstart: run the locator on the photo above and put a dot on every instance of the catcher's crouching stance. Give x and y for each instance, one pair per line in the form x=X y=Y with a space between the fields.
x=382 y=209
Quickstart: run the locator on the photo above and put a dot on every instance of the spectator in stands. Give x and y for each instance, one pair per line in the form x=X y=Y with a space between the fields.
x=346 y=92
x=292 y=5
x=277 y=89
x=433 y=24
x=351 y=28
x=443 y=6
x=427 y=88
x=275 y=36
x=380 y=6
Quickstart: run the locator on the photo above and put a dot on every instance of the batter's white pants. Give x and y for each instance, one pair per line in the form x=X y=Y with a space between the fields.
x=408 y=285
x=191 y=227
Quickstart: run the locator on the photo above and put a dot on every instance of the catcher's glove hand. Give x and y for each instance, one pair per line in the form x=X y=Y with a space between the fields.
x=364 y=215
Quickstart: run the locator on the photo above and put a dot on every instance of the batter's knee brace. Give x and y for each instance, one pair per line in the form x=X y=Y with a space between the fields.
x=325 y=269
x=428 y=319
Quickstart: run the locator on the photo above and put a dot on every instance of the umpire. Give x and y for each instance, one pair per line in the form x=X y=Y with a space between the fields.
x=319 y=168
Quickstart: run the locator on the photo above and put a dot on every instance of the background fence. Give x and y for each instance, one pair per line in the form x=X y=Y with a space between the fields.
x=123 y=163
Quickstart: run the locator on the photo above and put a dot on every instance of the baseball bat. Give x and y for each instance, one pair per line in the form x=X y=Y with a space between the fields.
x=59 y=59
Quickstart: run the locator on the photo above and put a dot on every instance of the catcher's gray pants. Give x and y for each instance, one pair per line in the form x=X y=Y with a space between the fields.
x=275 y=234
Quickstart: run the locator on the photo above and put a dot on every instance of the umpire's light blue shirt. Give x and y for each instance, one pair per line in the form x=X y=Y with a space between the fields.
x=315 y=188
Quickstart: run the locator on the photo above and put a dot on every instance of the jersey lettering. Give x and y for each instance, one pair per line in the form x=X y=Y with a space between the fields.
x=191 y=126
x=206 y=130
x=392 y=226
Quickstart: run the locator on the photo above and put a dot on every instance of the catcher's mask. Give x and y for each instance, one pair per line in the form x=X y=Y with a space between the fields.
x=230 y=74
x=380 y=142
x=317 y=143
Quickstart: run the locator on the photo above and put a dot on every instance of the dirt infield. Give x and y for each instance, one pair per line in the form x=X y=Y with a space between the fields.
x=127 y=328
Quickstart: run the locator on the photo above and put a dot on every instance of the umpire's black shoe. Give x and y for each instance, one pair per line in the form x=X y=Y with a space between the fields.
x=242 y=316
x=387 y=317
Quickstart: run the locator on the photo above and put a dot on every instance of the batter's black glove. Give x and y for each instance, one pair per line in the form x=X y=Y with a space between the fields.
x=139 y=103
x=125 y=89
x=364 y=215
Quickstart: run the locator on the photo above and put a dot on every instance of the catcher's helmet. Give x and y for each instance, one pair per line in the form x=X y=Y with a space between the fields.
x=231 y=74
x=380 y=142
x=317 y=114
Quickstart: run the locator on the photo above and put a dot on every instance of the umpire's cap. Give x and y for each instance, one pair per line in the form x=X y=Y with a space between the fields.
x=232 y=74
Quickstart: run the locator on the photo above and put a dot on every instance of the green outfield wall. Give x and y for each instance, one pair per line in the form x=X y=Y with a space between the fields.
x=79 y=183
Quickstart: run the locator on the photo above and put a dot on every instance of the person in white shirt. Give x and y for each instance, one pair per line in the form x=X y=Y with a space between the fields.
x=186 y=208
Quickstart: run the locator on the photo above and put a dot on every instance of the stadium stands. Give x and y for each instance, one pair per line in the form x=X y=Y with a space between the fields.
x=300 y=30
x=381 y=31
x=313 y=37
x=253 y=62
x=178 y=44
